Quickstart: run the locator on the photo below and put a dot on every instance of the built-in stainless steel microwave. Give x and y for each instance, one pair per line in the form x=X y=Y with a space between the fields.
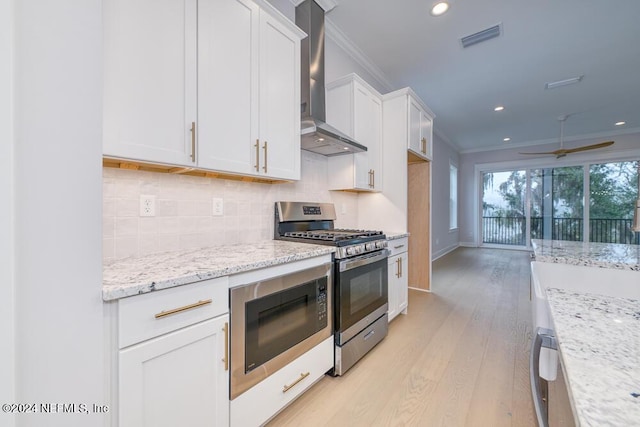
x=275 y=321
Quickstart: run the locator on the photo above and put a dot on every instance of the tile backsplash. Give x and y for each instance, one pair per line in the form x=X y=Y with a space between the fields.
x=184 y=209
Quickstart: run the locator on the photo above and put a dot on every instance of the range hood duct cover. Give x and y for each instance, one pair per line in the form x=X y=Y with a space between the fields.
x=315 y=134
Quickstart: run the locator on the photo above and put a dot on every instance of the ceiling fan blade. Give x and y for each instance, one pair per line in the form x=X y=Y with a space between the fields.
x=543 y=152
x=564 y=151
x=590 y=147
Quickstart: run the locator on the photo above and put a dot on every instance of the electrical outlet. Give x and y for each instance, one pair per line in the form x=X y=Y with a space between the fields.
x=147 y=205
x=218 y=206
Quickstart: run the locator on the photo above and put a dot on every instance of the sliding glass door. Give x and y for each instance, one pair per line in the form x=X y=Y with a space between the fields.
x=503 y=208
x=549 y=203
x=557 y=203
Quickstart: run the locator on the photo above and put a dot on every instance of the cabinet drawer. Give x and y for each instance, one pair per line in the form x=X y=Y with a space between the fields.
x=146 y=316
x=261 y=402
x=397 y=246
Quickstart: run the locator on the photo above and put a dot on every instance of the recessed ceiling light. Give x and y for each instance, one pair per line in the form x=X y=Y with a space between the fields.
x=498 y=108
x=507 y=139
x=439 y=8
x=620 y=123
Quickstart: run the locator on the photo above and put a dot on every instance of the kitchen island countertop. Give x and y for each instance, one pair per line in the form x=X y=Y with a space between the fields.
x=133 y=276
x=591 y=254
x=598 y=335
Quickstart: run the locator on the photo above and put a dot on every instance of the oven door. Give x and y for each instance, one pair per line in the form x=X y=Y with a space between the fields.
x=361 y=293
x=275 y=321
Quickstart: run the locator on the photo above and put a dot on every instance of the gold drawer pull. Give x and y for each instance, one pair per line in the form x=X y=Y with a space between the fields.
x=257 y=166
x=226 y=346
x=181 y=309
x=193 y=142
x=398 y=246
x=293 y=384
x=264 y=147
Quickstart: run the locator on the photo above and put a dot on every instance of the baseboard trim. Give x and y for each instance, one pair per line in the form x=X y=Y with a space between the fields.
x=445 y=251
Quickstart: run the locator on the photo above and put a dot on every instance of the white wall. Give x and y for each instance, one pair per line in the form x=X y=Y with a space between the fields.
x=58 y=204
x=6 y=212
x=443 y=239
x=626 y=147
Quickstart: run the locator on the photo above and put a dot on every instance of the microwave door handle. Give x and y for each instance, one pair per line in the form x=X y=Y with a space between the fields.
x=350 y=264
x=542 y=338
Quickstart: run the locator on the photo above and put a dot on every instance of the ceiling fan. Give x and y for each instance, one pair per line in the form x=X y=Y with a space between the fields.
x=561 y=152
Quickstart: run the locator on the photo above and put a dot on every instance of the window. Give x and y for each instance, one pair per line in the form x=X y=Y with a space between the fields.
x=550 y=203
x=453 y=197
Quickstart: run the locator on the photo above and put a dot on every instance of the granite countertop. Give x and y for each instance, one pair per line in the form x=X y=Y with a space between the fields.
x=133 y=276
x=396 y=235
x=598 y=335
x=599 y=343
x=606 y=255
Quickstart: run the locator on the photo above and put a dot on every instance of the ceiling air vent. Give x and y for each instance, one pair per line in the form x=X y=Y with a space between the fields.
x=481 y=36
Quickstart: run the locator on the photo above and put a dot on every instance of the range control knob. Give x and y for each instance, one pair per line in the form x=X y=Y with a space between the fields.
x=369 y=246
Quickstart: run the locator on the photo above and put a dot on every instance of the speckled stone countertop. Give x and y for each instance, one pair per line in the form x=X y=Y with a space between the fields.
x=395 y=235
x=598 y=336
x=599 y=342
x=133 y=276
x=606 y=255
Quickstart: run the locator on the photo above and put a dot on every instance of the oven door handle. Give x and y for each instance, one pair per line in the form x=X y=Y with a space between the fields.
x=350 y=264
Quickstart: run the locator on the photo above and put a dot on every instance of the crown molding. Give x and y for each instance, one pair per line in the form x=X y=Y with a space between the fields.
x=327 y=5
x=341 y=39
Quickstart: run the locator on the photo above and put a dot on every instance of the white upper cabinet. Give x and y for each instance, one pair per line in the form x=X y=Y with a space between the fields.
x=149 y=79
x=229 y=69
x=355 y=108
x=228 y=84
x=418 y=118
x=249 y=90
x=279 y=100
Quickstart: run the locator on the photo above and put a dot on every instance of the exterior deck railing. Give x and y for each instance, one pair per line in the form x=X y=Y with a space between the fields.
x=512 y=230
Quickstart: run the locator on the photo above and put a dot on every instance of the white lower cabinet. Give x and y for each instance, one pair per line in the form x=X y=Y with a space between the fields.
x=398 y=277
x=178 y=379
x=171 y=367
x=263 y=401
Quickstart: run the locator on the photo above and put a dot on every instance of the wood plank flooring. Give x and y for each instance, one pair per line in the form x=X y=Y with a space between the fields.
x=458 y=358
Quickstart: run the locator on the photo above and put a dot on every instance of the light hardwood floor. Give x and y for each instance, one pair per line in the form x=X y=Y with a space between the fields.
x=458 y=358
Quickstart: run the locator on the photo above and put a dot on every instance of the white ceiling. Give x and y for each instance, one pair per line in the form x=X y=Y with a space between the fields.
x=542 y=41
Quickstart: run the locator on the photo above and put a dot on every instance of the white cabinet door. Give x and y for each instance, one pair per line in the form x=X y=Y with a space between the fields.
x=356 y=110
x=420 y=129
x=149 y=79
x=403 y=288
x=279 y=105
x=178 y=379
x=228 y=85
x=393 y=284
x=398 y=284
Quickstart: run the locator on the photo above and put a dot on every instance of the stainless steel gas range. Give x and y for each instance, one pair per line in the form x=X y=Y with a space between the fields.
x=359 y=271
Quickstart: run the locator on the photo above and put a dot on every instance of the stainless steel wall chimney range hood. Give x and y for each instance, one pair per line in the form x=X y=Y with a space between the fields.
x=316 y=135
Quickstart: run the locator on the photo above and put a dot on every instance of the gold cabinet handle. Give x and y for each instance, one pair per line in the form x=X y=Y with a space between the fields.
x=181 y=309
x=373 y=178
x=424 y=145
x=257 y=166
x=398 y=268
x=265 y=157
x=193 y=142
x=398 y=246
x=400 y=264
x=293 y=384
x=225 y=360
